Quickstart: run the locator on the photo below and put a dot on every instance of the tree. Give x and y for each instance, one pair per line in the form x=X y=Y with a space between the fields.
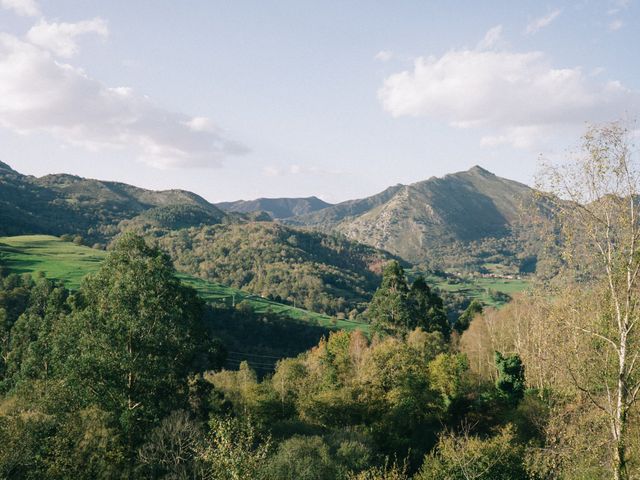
x=596 y=197
x=130 y=346
x=31 y=352
x=303 y=458
x=173 y=448
x=510 y=382
x=463 y=322
x=390 y=309
x=429 y=313
x=397 y=309
x=234 y=451
x=466 y=457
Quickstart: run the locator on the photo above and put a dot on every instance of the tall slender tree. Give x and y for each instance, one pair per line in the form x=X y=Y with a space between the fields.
x=596 y=195
x=390 y=308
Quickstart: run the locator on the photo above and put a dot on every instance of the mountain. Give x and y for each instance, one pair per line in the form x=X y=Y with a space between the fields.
x=467 y=219
x=68 y=204
x=276 y=207
x=323 y=272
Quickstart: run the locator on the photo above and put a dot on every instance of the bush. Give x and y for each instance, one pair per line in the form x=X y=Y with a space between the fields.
x=464 y=457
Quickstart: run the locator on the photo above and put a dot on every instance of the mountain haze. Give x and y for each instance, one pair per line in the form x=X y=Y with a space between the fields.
x=276 y=207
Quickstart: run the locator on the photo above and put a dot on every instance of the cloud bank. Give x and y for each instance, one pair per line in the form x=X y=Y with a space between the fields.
x=519 y=96
x=41 y=93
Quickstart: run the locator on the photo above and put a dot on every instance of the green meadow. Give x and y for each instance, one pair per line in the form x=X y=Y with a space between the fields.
x=483 y=289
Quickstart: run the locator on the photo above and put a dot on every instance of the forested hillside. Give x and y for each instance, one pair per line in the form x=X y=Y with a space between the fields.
x=319 y=272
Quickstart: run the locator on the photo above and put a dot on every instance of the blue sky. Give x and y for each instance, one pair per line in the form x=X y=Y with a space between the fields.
x=242 y=99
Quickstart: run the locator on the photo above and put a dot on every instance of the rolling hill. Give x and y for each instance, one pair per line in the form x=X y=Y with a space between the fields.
x=67 y=204
x=322 y=272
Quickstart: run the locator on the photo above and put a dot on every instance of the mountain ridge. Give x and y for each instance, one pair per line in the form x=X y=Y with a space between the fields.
x=428 y=220
x=466 y=220
x=69 y=204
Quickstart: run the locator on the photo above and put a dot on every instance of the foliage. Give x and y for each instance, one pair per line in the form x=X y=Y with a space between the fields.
x=319 y=272
x=510 y=381
x=234 y=451
x=69 y=263
x=397 y=308
x=89 y=375
x=303 y=458
x=464 y=320
x=467 y=457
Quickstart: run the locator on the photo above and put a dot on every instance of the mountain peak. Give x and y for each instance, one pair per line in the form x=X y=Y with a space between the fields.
x=478 y=170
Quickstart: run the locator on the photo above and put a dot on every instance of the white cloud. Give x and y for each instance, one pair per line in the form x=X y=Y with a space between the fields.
x=491 y=38
x=615 y=25
x=40 y=94
x=519 y=97
x=384 y=55
x=26 y=8
x=542 y=22
x=202 y=124
x=60 y=38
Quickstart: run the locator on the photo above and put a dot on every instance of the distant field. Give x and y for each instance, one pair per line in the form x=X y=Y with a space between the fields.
x=69 y=262
x=480 y=288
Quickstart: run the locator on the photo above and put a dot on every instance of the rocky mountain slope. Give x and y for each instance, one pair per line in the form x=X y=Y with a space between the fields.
x=465 y=218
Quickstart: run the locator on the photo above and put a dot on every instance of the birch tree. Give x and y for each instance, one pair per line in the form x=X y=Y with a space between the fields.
x=595 y=194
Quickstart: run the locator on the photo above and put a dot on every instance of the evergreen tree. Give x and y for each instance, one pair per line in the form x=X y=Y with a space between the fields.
x=463 y=322
x=510 y=381
x=429 y=313
x=390 y=310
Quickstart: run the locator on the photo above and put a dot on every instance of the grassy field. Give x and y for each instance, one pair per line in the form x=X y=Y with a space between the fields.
x=480 y=288
x=69 y=262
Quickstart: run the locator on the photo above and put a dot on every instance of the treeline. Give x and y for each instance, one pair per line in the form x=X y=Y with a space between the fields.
x=360 y=409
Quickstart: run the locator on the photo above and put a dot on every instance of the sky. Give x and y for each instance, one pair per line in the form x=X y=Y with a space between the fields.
x=339 y=99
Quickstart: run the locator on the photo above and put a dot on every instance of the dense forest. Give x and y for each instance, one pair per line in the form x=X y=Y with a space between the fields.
x=134 y=376
x=319 y=272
